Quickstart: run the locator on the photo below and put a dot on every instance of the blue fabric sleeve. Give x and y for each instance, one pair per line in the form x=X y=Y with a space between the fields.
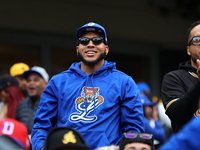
x=158 y=132
x=186 y=139
x=132 y=110
x=45 y=116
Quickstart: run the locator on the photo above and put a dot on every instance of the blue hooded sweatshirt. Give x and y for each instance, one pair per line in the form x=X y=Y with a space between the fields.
x=101 y=106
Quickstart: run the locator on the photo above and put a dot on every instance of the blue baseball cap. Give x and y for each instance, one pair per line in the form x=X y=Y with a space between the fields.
x=92 y=27
x=142 y=86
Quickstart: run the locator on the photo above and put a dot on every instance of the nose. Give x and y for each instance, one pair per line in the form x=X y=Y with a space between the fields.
x=90 y=43
x=31 y=82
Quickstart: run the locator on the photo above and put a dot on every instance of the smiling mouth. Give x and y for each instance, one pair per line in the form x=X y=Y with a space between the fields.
x=31 y=89
x=90 y=52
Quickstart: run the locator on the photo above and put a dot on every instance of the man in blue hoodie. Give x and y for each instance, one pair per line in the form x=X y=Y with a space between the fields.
x=92 y=96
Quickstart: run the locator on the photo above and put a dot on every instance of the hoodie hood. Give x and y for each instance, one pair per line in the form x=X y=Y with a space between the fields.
x=75 y=67
x=187 y=66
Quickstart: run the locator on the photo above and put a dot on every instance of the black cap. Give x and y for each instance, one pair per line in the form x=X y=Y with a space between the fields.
x=64 y=137
x=7 y=80
x=137 y=139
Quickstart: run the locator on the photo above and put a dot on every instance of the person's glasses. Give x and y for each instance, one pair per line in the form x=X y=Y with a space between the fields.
x=195 y=41
x=86 y=40
x=141 y=135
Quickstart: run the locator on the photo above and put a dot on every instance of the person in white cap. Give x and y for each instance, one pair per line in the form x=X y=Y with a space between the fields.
x=37 y=79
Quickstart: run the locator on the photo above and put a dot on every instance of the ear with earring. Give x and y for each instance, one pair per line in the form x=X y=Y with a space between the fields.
x=106 y=52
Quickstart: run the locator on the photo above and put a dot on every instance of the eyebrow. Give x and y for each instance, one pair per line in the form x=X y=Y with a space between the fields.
x=133 y=148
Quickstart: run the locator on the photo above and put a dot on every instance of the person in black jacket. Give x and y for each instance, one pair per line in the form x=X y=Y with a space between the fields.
x=37 y=79
x=181 y=88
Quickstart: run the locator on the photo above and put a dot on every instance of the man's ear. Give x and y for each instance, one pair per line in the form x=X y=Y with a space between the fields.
x=77 y=49
x=107 y=49
x=188 y=50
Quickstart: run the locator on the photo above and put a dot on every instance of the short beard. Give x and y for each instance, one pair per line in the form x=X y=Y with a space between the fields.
x=194 y=59
x=92 y=63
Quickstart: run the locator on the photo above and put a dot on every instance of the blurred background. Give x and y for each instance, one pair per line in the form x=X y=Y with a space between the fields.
x=147 y=38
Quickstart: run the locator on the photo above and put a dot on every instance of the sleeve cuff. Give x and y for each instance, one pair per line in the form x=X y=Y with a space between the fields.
x=197 y=113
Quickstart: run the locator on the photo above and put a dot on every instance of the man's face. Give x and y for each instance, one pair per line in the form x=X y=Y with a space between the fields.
x=137 y=146
x=4 y=96
x=35 y=85
x=22 y=82
x=148 y=111
x=92 y=54
x=192 y=50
